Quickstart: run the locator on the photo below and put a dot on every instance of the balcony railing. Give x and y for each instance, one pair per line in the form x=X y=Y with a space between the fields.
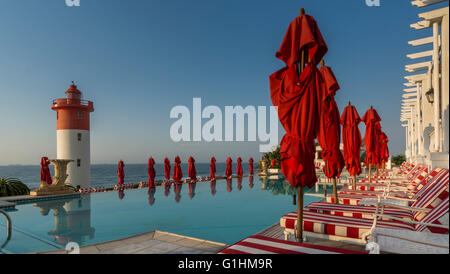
x=71 y=102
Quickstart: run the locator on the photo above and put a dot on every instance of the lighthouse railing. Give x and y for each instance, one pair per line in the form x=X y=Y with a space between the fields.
x=66 y=101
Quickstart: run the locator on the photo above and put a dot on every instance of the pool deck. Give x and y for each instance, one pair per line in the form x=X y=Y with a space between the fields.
x=154 y=242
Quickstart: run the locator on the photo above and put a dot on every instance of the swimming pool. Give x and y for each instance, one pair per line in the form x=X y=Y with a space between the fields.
x=224 y=212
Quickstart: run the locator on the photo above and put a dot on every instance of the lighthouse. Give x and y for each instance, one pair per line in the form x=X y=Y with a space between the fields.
x=73 y=135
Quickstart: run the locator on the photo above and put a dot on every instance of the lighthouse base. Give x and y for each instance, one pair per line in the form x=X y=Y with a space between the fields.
x=45 y=190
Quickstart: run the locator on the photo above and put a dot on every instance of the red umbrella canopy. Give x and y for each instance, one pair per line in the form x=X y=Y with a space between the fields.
x=239 y=170
x=250 y=166
x=352 y=140
x=151 y=172
x=273 y=163
x=177 y=173
x=298 y=99
x=167 y=169
x=212 y=168
x=384 y=147
x=229 y=170
x=45 y=171
x=192 y=172
x=121 y=173
x=330 y=129
x=371 y=139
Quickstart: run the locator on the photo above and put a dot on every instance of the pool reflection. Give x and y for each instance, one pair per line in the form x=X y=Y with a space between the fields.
x=72 y=219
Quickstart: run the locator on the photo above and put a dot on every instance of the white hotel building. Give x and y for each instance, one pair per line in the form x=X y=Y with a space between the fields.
x=425 y=103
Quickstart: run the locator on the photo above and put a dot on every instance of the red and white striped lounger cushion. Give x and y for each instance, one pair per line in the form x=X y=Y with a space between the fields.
x=439 y=215
x=263 y=245
x=428 y=197
x=353 y=199
x=415 y=185
x=402 y=179
x=363 y=212
x=337 y=225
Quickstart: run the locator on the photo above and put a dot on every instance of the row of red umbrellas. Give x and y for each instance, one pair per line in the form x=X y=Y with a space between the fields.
x=307 y=110
x=192 y=172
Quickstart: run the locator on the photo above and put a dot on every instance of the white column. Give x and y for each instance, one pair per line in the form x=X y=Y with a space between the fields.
x=445 y=81
x=436 y=88
x=419 y=118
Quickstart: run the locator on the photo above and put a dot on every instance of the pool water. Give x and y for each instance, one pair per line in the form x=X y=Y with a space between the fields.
x=225 y=212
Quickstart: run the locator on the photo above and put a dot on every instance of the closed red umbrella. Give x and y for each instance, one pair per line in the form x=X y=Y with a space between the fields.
x=229 y=170
x=192 y=172
x=212 y=168
x=177 y=173
x=384 y=148
x=167 y=169
x=239 y=170
x=330 y=128
x=250 y=166
x=351 y=137
x=298 y=98
x=121 y=173
x=371 y=138
x=151 y=173
x=46 y=177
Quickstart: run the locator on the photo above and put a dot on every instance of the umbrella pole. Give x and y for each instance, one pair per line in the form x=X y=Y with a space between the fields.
x=336 y=200
x=354 y=182
x=370 y=173
x=300 y=215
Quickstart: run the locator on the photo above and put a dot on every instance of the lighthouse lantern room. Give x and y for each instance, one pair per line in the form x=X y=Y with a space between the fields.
x=73 y=135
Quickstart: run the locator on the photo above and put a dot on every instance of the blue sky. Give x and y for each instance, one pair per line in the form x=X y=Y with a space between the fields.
x=137 y=59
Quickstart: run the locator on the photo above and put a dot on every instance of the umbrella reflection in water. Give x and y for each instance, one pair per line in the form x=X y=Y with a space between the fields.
x=177 y=189
x=166 y=189
x=229 y=185
x=250 y=180
x=213 y=187
x=192 y=190
x=151 y=195
x=121 y=193
x=239 y=183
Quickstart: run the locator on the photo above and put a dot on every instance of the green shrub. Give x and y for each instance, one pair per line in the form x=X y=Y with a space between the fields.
x=398 y=159
x=12 y=187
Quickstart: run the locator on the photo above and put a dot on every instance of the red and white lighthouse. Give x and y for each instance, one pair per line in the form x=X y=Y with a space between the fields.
x=73 y=135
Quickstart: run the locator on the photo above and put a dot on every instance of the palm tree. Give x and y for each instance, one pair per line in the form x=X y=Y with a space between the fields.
x=12 y=187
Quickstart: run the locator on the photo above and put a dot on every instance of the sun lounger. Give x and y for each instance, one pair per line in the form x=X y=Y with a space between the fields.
x=407 y=242
x=358 y=230
x=355 y=198
x=264 y=245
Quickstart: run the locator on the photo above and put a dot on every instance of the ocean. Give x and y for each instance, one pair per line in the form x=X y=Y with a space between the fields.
x=106 y=174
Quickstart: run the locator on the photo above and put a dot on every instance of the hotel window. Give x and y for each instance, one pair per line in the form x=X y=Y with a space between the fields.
x=79 y=137
x=80 y=115
x=78 y=162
